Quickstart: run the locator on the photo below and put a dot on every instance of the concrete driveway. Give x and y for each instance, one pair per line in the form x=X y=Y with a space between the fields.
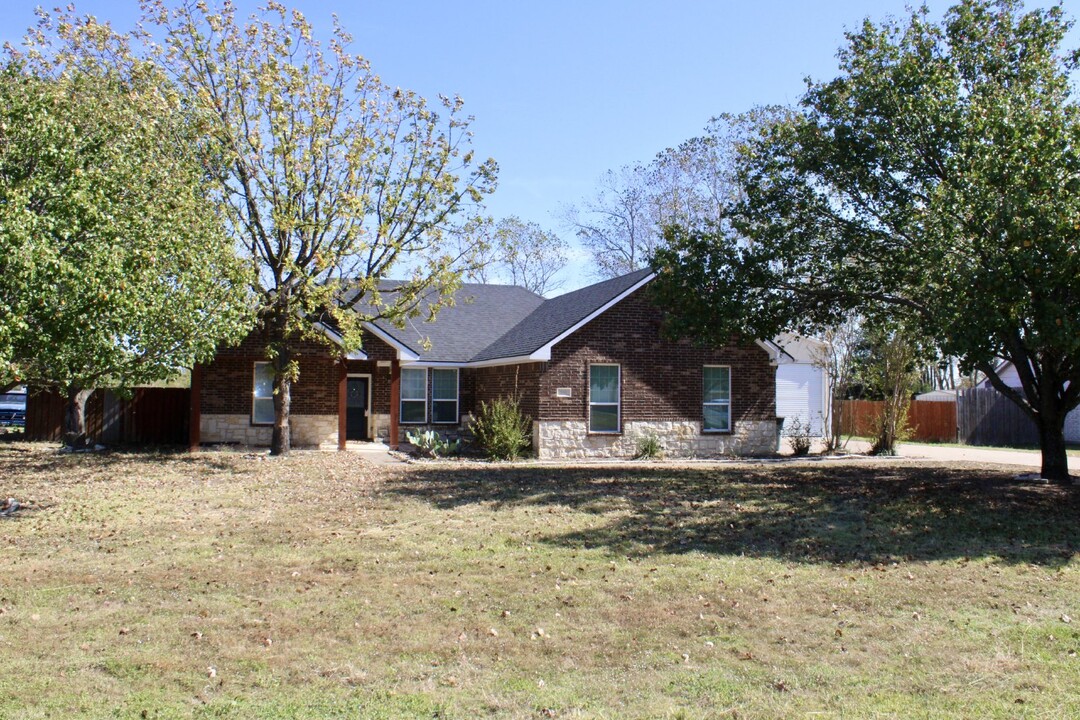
x=1022 y=458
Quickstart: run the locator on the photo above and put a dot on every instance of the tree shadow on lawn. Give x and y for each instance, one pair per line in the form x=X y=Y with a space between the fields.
x=47 y=458
x=834 y=513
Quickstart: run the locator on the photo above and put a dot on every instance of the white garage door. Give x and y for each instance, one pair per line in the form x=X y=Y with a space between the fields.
x=799 y=394
x=1072 y=426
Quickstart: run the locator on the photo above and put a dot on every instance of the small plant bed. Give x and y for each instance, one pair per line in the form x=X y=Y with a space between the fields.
x=430 y=444
x=234 y=585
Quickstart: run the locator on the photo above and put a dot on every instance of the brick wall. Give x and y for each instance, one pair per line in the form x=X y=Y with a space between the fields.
x=227 y=381
x=517 y=381
x=661 y=380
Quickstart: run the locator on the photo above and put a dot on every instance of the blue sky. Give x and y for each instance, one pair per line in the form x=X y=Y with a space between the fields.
x=565 y=90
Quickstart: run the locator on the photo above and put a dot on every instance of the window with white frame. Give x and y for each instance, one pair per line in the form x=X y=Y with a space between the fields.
x=262 y=395
x=414 y=395
x=604 y=398
x=716 y=398
x=444 y=395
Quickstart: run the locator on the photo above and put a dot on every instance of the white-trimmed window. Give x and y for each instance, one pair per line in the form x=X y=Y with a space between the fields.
x=262 y=394
x=716 y=398
x=604 y=395
x=444 y=396
x=414 y=395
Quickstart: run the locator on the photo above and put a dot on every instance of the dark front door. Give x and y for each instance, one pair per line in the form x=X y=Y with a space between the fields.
x=356 y=409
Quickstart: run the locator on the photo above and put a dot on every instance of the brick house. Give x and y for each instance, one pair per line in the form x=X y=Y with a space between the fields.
x=591 y=368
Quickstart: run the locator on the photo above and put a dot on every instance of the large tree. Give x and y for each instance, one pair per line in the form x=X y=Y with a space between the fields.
x=616 y=225
x=523 y=254
x=114 y=268
x=334 y=181
x=935 y=180
x=622 y=223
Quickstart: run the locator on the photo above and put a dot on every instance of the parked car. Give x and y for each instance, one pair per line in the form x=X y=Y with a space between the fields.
x=13 y=408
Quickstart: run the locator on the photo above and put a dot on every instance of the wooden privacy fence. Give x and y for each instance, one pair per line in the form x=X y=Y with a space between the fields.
x=986 y=417
x=930 y=421
x=153 y=416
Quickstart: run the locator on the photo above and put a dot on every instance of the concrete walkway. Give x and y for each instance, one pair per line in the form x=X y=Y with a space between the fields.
x=950 y=453
x=376 y=453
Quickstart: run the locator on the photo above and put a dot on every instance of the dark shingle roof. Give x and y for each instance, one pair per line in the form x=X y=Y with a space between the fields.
x=558 y=315
x=480 y=315
x=491 y=322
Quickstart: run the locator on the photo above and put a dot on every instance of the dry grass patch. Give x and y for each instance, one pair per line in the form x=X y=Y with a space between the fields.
x=231 y=585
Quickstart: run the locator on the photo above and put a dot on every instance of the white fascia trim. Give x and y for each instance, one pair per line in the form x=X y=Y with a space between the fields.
x=437 y=364
x=544 y=353
x=336 y=338
x=518 y=360
x=774 y=350
x=405 y=355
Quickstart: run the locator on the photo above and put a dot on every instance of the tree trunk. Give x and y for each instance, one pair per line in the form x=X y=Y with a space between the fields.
x=1055 y=460
x=1047 y=400
x=75 y=418
x=280 y=442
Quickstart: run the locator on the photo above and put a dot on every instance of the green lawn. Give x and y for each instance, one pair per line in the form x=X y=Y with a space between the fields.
x=231 y=585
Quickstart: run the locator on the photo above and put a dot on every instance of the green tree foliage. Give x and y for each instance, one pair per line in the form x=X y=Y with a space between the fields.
x=890 y=370
x=935 y=180
x=333 y=182
x=114 y=268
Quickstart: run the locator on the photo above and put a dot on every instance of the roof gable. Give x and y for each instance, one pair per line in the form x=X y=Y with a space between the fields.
x=491 y=324
x=560 y=316
x=479 y=315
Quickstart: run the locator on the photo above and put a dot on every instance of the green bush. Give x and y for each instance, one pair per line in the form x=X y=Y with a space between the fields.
x=798 y=436
x=430 y=444
x=649 y=447
x=501 y=430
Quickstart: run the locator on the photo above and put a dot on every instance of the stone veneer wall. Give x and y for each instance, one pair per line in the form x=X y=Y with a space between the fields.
x=306 y=430
x=571 y=439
